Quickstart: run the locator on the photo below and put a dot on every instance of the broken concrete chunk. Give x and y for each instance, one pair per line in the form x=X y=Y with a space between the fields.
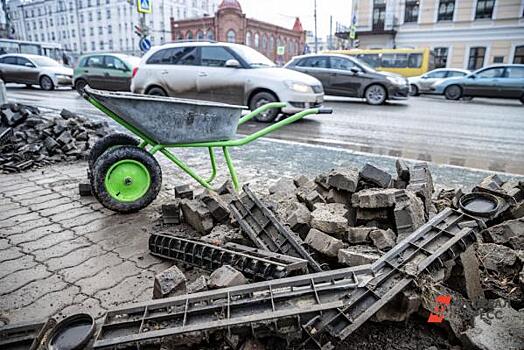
x=502 y=233
x=409 y=214
x=375 y=198
x=168 y=282
x=402 y=170
x=500 y=329
x=321 y=180
x=375 y=175
x=198 y=285
x=421 y=183
x=300 y=180
x=197 y=215
x=471 y=275
x=323 y=243
x=84 y=190
x=400 y=308
x=300 y=220
x=372 y=214
x=216 y=206
x=358 y=255
x=330 y=218
x=358 y=235
x=313 y=198
x=383 y=239
x=344 y=179
x=221 y=234
x=183 y=191
x=171 y=213
x=338 y=196
x=253 y=344
x=496 y=257
x=283 y=185
x=226 y=276
x=492 y=182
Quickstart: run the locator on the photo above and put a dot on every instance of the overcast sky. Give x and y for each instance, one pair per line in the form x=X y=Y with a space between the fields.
x=284 y=11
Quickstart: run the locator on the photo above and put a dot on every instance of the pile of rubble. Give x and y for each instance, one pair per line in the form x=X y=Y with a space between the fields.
x=356 y=219
x=30 y=139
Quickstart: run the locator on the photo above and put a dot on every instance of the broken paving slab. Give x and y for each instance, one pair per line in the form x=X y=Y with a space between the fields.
x=344 y=179
x=216 y=205
x=283 y=185
x=377 y=176
x=168 y=282
x=300 y=220
x=496 y=257
x=408 y=213
x=197 y=215
x=503 y=232
x=359 y=235
x=198 y=285
x=330 y=218
x=171 y=213
x=226 y=276
x=403 y=171
x=221 y=234
x=183 y=192
x=383 y=239
x=358 y=255
x=375 y=198
x=324 y=243
x=421 y=183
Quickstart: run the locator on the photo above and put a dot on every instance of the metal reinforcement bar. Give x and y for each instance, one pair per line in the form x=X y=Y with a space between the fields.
x=327 y=305
x=440 y=239
x=253 y=263
x=266 y=231
x=272 y=307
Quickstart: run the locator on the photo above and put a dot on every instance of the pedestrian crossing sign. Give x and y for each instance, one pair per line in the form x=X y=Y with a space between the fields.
x=145 y=6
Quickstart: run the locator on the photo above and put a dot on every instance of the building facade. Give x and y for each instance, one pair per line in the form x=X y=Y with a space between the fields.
x=83 y=26
x=462 y=33
x=229 y=24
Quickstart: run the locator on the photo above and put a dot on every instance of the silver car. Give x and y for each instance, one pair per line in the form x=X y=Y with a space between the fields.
x=34 y=70
x=422 y=84
x=225 y=72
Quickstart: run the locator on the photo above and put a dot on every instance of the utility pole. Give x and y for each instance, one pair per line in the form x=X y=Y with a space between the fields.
x=316 y=37
x=7 y=19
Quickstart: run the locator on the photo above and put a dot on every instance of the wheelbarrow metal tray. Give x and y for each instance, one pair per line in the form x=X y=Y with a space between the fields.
x=168 y=120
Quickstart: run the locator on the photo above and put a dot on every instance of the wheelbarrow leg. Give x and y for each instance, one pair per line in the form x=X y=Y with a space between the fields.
x=231 y=168
x=213 y=165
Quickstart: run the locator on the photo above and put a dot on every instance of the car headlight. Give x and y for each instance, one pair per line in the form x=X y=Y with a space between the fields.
x=397 y=80
x=298 y=87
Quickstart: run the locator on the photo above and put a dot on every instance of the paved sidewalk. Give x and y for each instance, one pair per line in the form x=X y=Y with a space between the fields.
x=61 y=254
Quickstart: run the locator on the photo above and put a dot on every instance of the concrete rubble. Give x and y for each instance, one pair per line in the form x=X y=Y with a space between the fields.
x=39 y=139
x=226 y=276
x=168 y=282
x=323 y=243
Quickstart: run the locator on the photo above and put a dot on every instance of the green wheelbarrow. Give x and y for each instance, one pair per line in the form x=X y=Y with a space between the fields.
x=124 y=174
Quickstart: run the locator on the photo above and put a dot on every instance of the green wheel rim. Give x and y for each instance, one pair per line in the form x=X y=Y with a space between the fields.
x=127 y=180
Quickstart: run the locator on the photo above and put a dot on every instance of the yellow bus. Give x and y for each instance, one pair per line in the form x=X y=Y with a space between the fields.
x=406 y=62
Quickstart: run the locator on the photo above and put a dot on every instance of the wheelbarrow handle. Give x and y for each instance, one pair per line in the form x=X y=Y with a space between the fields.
x=259 y=110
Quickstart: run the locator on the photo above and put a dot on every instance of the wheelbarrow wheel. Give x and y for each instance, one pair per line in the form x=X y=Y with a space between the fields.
x=261 y=99
x=106 y=143
x=126 y=179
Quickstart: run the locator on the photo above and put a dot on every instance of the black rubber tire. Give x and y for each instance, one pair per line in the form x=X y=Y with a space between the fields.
x=450 y=94
x=46 y=83
x=156 y=91
x=80 y=85
x=262 y=98
x=102 y=145
x=110 y=157
x=380 y=88
x=413 y=90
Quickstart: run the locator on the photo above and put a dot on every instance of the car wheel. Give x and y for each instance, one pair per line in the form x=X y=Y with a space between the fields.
x=375 y=94
x=126 y=179
x=46 y=83
x=453 y=92
x=80 y=85
x=261 y=99
x=156 y=91
x=413 y=90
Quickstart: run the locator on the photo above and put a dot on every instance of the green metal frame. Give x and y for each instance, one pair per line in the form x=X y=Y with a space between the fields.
x=156 y=147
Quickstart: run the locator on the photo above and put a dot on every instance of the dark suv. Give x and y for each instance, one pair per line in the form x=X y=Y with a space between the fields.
x=347 y=76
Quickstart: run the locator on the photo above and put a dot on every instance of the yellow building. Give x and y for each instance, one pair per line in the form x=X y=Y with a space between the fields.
x=462 y=33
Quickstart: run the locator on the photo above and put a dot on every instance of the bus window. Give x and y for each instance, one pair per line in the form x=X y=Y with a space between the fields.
x=8 y=47
x=372 y=59
x=32 y=49
x=394 y=60
x=415 y=60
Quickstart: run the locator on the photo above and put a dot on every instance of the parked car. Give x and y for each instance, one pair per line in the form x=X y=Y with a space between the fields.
x=343 y=75
x=422 y=83
x=225 y=72
x=501 y=81
x=34 y=70
x=105 y=72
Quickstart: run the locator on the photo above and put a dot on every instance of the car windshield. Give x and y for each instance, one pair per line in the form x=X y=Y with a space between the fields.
x=254 y=58
x=45 y=62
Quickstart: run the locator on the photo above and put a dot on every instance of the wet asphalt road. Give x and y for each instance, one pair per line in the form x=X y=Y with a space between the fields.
x=483 y=133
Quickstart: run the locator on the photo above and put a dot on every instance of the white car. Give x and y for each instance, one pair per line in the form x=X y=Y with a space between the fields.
x=34 y=70
x=225 y=72
x=422 y=83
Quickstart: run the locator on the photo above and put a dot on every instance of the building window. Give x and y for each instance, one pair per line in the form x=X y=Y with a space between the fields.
x=445 y=10
x=189 y=35
x=264 y=42
x=108 y=13
x=210 y=35
x=231 y=36
x=200 y=35
x=519 y=55
x=248 y=38
x=441 y=57
x=257 y=40
x=476 y=57
x=379 y=14
x=110 y=29
x=271 y=43
x=484 y=8
x=411 y=12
